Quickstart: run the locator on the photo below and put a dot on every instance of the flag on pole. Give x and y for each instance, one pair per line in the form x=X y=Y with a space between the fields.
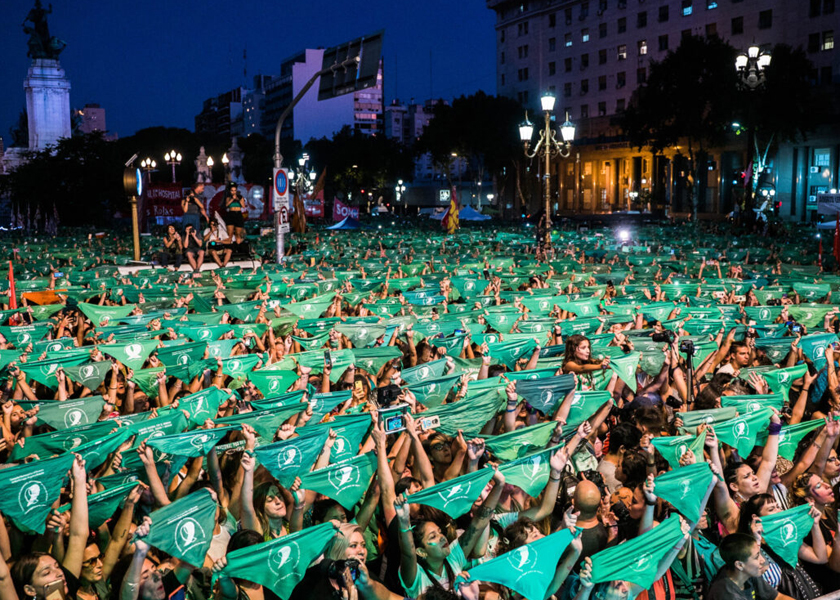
x=13 y=294
x=450 y=217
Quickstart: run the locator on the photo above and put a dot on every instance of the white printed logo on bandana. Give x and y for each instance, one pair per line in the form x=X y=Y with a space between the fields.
x=74 y=417
x=32 y=495
x=188 y=534
x=523 y=560
x=198 y=441
x=345 y=477
x=133 y=351
x=279 y=558
x=289 y=459
x=643 y=562
x=455 y=493
x=788 y=533
x=741 y=430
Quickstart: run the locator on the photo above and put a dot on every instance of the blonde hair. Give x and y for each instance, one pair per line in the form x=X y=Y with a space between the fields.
x=341 y=540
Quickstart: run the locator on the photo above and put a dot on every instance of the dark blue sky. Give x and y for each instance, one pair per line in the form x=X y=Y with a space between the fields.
x=153 y=62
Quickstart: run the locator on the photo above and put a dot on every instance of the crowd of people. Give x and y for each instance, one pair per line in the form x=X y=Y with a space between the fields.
x=422 y=416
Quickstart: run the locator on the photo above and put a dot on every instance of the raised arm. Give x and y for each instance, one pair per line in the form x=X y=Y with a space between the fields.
x=483 y=515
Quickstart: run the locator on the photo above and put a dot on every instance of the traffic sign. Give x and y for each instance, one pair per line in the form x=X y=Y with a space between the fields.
x=283 y=219
x=280 y=189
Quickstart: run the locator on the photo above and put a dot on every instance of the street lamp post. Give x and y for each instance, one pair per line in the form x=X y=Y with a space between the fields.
x=400 y=190
x=225 y=163
x=148 y=165
x=173 y=158
x=210 y=163
x=547 y=146
x=750 y=67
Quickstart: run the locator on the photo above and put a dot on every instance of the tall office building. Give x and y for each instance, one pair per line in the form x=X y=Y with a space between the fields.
x=592 y=54
x=311 y=118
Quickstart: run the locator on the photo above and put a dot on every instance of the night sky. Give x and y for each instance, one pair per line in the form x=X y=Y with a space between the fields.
x=153 y=62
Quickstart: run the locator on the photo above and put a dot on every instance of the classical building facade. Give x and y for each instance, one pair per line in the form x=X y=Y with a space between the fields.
x=592 y=54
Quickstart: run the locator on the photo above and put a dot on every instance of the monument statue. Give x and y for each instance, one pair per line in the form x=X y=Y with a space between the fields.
x=46 y=85
x=41 y=44
x=202 y=169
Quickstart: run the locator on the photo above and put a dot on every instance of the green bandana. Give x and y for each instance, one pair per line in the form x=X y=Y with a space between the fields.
x=90 y=375
x=530 y=473
x=96 y=451
x=741 y=432
x=58 y=442
x=350 y=431
x=784 y=532
x=312 y=308
x=685 y=488
x=810 y=316
x=753 y=403
x=345 y=481
x=529 y=569
x=103 y=505
x=813 y=347
x=323 y=404
x=103 y=315
x=361 y=334
x=812 y=291
x=291 y=458
x=544 y=393
x=202 y=405
x=131 y=355
x=791 y=435
x=265 y=422
x=637 y=560
x=508 y=353
x=191 y=444
x=146 y=380
x=279 y=564
x=43 y=371
x=23 y=335
x=469 y=414
x=184 y=528
x=208 y=333
x=271 y=382
x=763 y=314
x=179 y=356
x=424 y=372
x=625 y=367
x=673 y=447
x=523 y=441
x=313 y=342
x=433 y=392
x=167 y=424
x=692 y=419
x=373 y=359
x=584 y=405
x=71 y=413
x=33 y=488
x=456 y=496
x=780 y=380
x=239 y=366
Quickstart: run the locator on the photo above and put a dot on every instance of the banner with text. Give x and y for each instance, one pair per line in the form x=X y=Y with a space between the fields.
x=341 y=211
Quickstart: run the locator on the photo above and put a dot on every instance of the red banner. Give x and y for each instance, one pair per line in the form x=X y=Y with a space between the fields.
x=314 y=207
x=341 y=211
x=164 y=200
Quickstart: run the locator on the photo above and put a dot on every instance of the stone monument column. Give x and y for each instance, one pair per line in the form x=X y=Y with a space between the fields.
x=47 y=103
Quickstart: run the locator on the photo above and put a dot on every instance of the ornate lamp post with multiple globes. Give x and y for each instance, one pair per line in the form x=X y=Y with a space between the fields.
x=547 y=146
